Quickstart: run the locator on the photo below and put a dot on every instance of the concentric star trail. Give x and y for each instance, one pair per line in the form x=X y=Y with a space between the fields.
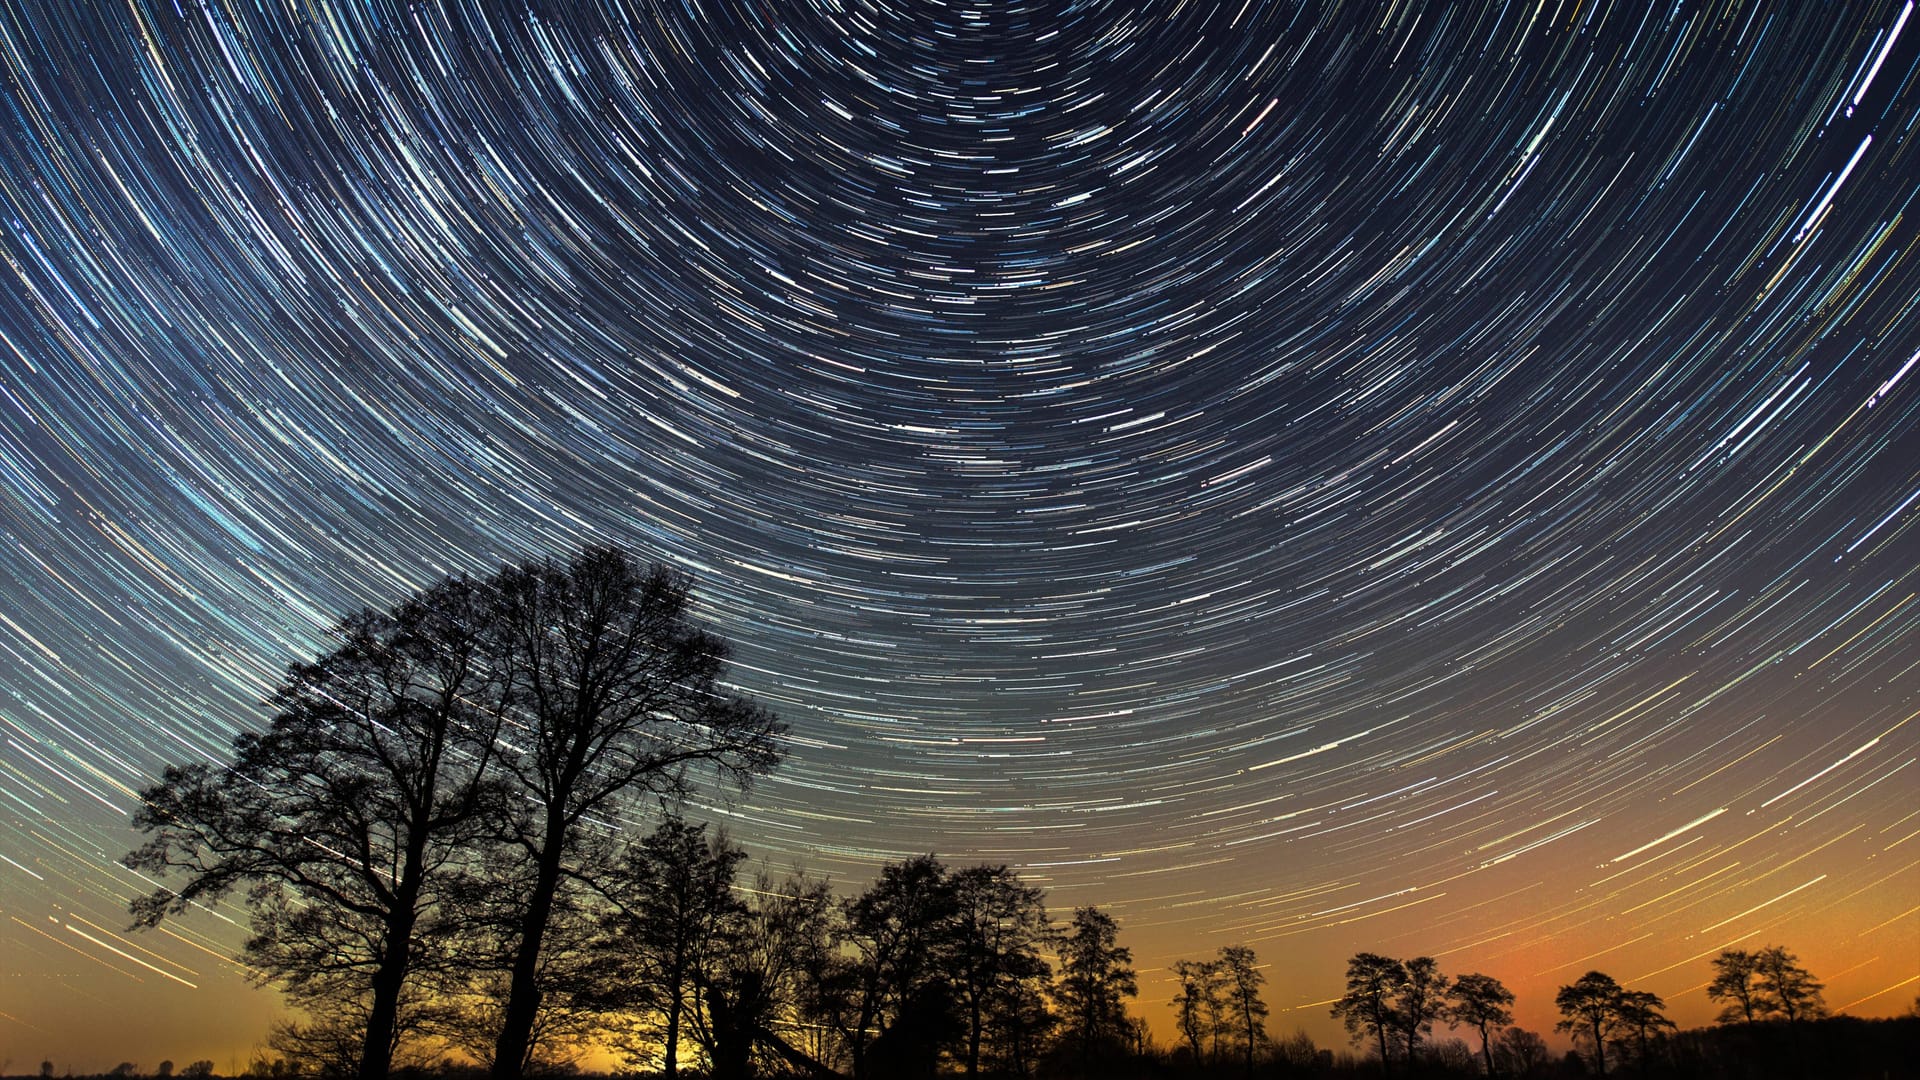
x=1426 y=478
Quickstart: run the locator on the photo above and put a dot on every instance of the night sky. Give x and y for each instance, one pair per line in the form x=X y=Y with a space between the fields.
x=1432 y=479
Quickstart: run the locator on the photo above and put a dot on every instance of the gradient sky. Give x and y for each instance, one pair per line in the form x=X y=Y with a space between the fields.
x=1432 y=479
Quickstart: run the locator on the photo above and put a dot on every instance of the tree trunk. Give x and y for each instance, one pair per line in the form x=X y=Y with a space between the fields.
x=973 y=1037
x=523 y=987
x=376 y=1047
x=671 y=1069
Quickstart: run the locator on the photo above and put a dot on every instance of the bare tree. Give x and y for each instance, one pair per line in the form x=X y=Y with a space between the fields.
x=1096 y=976
x=999 y=926
x=1197 y=1004
x=1373 y=984
x=1521 y=1052
x=1482 y=1003
x=1243 y=980
x=758 y=978
x=611 y=692
x=1734 y=982
x=350 y=817
x=673 y=897
x=1788 y=988
x=1422 y=1000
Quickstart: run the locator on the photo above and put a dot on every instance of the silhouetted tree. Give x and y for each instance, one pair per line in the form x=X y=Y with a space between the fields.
x=1422 y=999
x=610 y=692
x=1483 y=1004
x=1374 y=982
x=164 y=1070
x=1763 y=983
x=199 y=1070
x=1021 y=1021
x=1197 y=1004
x=326 y=1041
x=673 y=899
x=347 y=818
x=1096 y=976
x=999 y=926
x=1243 y=979
x=1641 y=1020
x=889 y=999
x=761 y=973
x=1789 y=989
x=1297 y=1050
x=1521 y=1052
x=1591 y=1007
x=1734 y=982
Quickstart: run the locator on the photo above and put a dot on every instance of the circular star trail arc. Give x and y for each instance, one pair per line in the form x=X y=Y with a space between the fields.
x=1435 y=479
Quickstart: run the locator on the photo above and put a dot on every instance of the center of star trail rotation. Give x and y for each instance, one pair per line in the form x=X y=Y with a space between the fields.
x=1421 y=477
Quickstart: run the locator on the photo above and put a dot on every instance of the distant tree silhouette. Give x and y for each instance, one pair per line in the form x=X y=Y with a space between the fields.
x=1374 y=982
x=1641 y=1021
x=761 y=978
x=1096 y=976
x=349 y=817
x=1734 y=982
x=993 y=951
x=1198 y=1003
x=1242 y=977
x=198 y=1070
x=1521 y=1052
x=1789 y=989
x=888 y=998
x=164 y=1070
x=1021 y=1022
x=673 y=900
x=1591 y=1006
x=610 y=692
x=46 y=1070
x=1764 y=983
x=1421 y=1000
x=1483 y=1004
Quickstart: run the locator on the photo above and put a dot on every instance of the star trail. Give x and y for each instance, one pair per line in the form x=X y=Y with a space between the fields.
x=1435 y=479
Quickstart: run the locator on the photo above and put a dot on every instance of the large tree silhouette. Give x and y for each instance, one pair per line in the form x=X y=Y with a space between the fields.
x=1373 y=984
x=1590 y=1008
x=999 y=927
x=351 y=817
x=1763 y=983
x=1641 y=1021
x=1421 y=1001
x=610 y=692
x=1482 y=1003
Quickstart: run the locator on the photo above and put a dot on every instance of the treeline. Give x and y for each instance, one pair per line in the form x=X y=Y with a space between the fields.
x=458 y=842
